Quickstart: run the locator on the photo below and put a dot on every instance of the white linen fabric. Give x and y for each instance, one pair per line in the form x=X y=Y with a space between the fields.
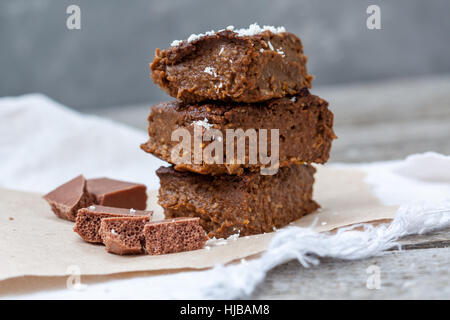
x=43 y=144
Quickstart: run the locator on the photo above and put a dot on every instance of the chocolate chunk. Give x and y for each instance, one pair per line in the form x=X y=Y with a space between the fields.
x=69 y=197
x=304 y=122
x=119 y=194
x=247 y=204
x=228 y=67
x=174 y=235
x=89 y=219
x=123 y=235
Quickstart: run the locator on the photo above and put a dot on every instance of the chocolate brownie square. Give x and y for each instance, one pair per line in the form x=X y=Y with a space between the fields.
x=304 y=123
x=245 y=65
x=247 y=204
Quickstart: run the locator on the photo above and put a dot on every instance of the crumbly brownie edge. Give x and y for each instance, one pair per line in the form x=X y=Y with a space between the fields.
x=248 y=204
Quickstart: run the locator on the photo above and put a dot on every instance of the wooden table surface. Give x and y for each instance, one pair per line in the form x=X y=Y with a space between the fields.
x=374 y=122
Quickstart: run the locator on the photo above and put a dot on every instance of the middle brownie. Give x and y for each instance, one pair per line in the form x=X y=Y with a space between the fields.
x=304 y=123
x=246 y=204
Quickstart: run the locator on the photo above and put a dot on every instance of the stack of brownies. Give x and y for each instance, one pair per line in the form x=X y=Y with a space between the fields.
x=251 y=79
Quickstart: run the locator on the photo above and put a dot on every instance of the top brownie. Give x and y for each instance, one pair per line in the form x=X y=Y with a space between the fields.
x=245 y=65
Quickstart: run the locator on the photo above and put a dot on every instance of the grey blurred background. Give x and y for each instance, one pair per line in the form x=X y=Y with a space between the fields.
x=106 y=62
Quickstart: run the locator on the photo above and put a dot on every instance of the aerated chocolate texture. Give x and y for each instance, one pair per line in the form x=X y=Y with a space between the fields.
x=227 y=67
x=247 y=204
x=123 y=235
x=174 y=235
x=89 y=219
x=304 y=122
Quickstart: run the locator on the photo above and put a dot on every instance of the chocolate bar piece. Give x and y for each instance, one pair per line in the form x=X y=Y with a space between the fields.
x=174 y=235
x=233 y=65
x=89 y=219
x=69 y=197
x=119 y=194
x=247 y=204
x=304 y=122
x=123 y=235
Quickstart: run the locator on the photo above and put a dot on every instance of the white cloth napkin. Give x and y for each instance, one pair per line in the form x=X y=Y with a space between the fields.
x=43 y=144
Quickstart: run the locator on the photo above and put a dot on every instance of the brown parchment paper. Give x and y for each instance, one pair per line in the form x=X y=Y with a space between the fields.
x=33 y=242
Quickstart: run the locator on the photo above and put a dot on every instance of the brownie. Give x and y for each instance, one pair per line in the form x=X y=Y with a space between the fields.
x=174 y=235
x=69 y=197
x=247 y=204
x=119 y=194
x=304 y=122
x=247 y=65
x=123 y=235
x=89 y=220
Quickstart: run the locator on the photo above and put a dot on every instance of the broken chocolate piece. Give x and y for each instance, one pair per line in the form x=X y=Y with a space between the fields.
x=89 y=219
x=246 y=205
x=174 y=235
x=123 y=235
x=69 y=197
x=119 y=194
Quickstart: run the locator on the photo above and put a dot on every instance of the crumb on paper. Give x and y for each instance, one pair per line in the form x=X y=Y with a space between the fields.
x=234 y=237
x=11 y=218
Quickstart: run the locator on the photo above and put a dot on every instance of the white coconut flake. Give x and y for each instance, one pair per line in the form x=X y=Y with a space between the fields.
x=255 y=29
x=211 y=71
x=221 y=50
x=324 y=223
x=270 y=46
x=203 y=123
x=92 y=208
x=261 y=50
x=208 y=248
x=114 y=232
x=132 y=210
x=176 y=43
x=294 y=99
x=252 y=30
x=281 y=52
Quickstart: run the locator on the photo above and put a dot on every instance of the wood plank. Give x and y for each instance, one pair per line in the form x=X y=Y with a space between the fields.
x=409 y=274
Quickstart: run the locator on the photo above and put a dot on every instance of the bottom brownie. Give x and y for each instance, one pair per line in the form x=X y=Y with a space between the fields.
x=247 y=204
